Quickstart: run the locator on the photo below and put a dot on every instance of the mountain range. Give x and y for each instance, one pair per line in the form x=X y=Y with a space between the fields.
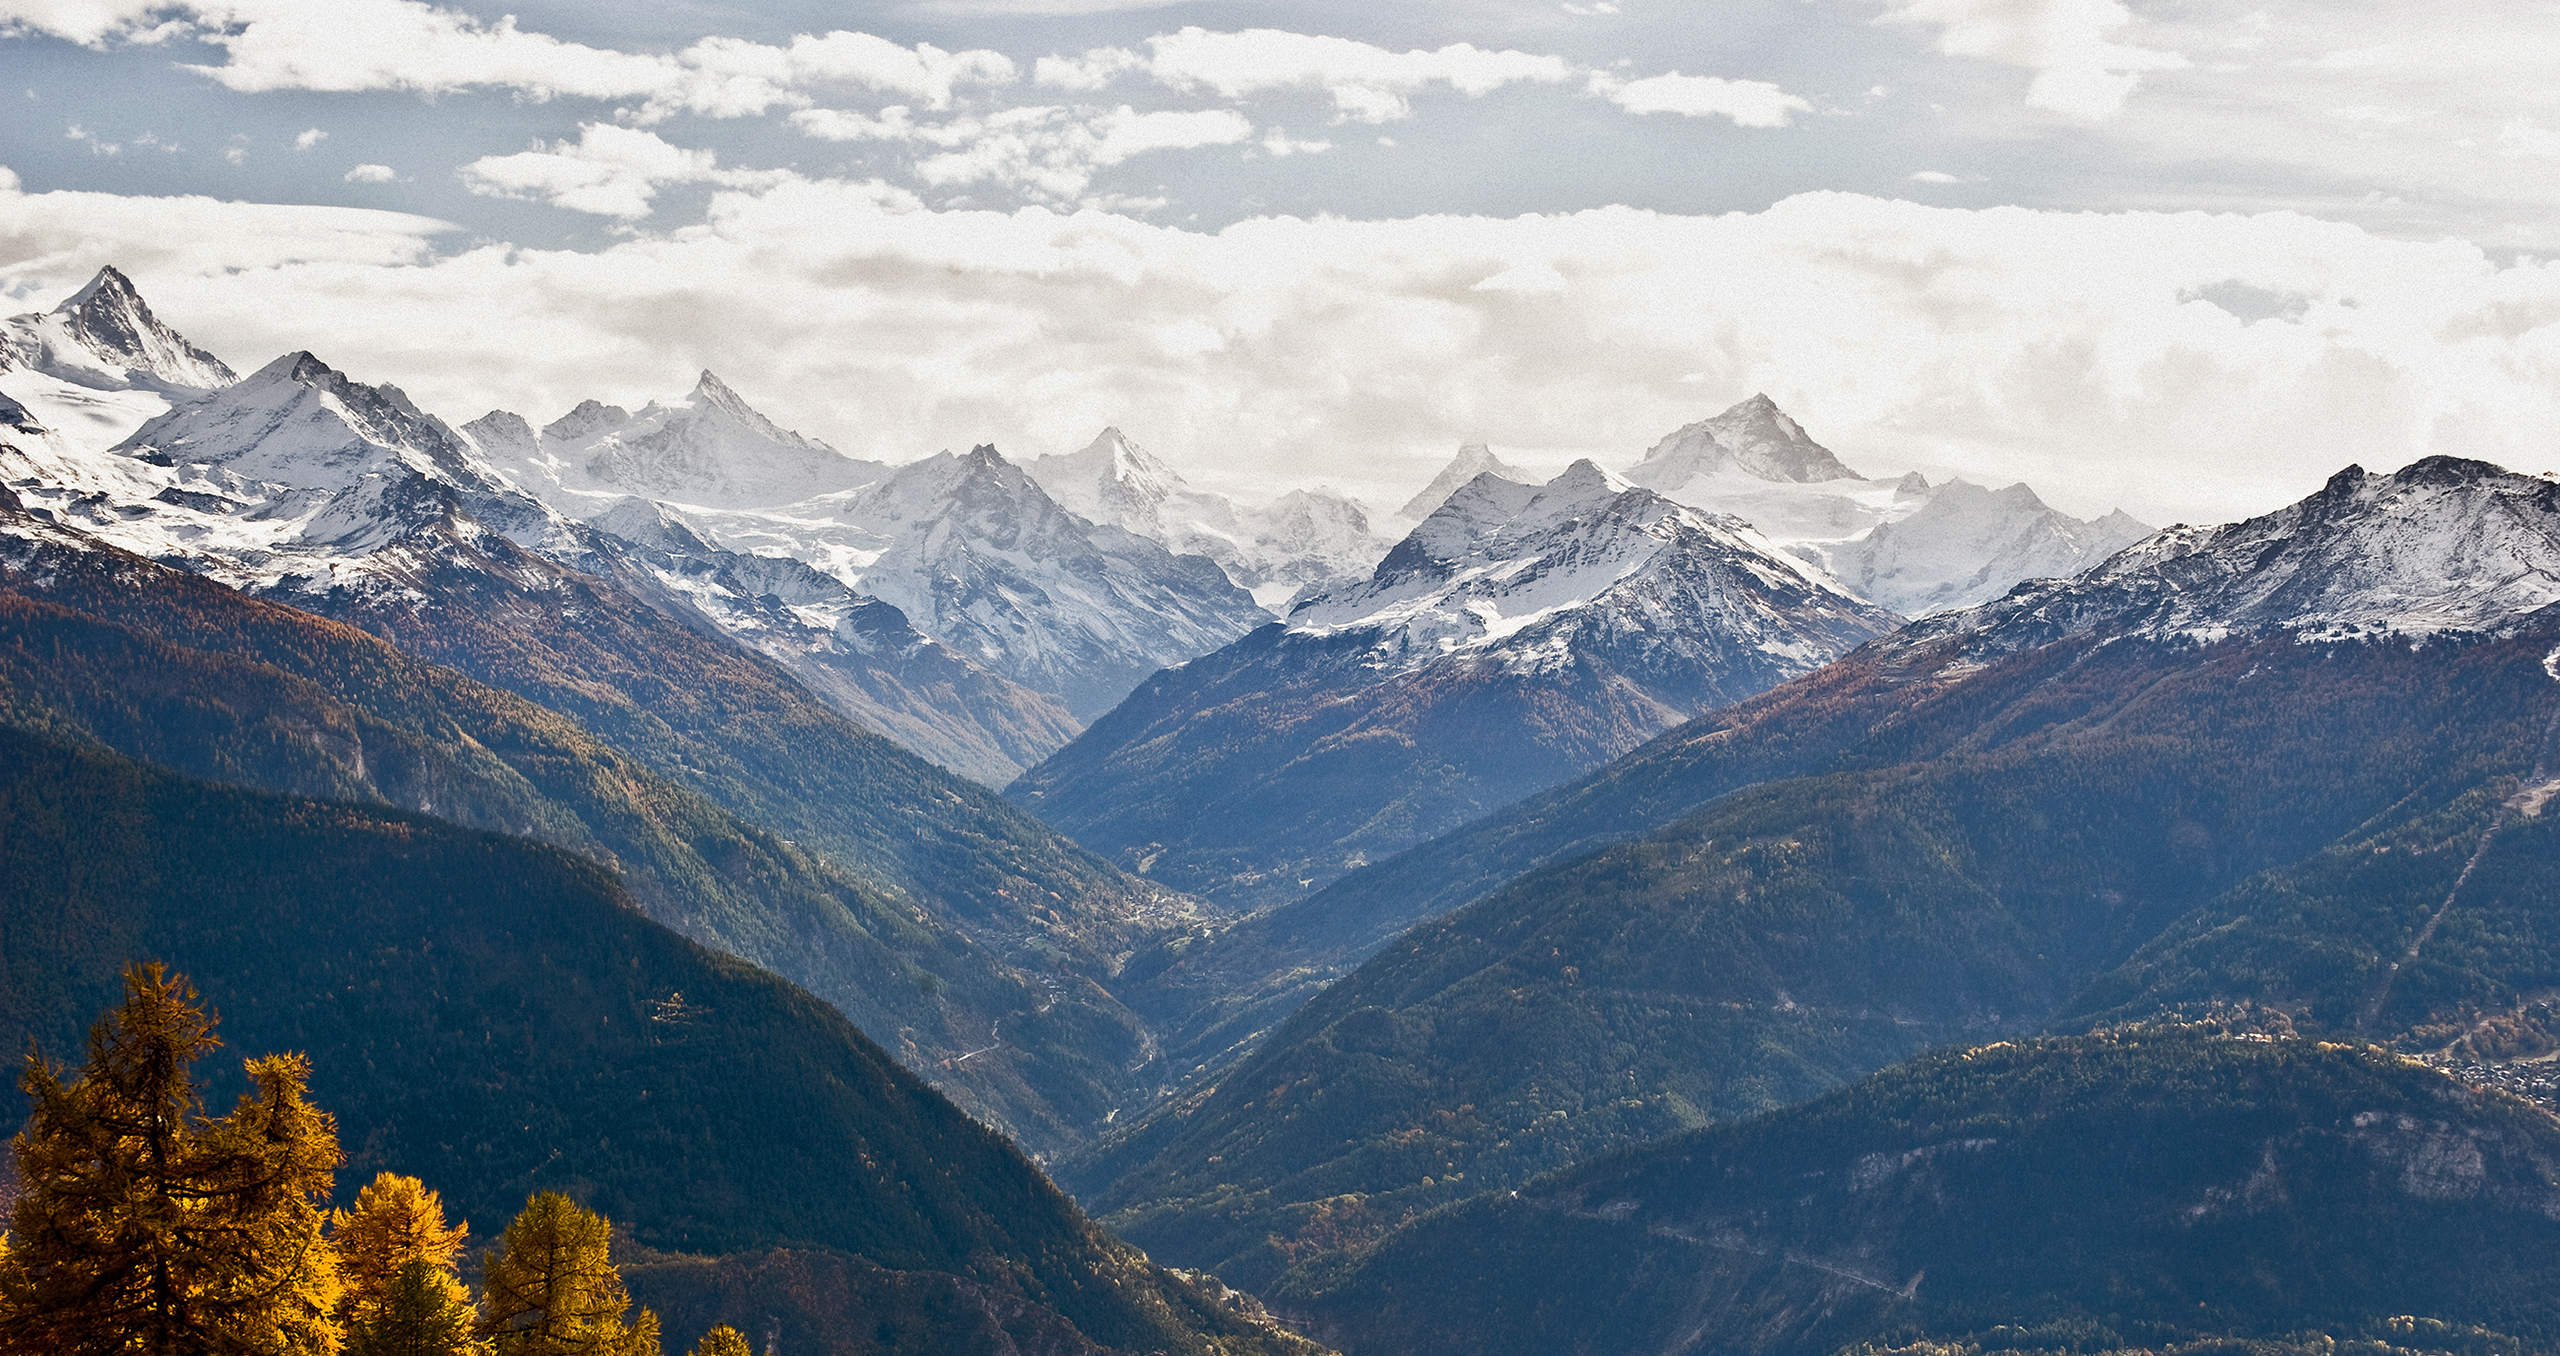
x=102 y=646
x=1578 y=915
x=1951 y=835
x=302 y=486
x=1520 y=635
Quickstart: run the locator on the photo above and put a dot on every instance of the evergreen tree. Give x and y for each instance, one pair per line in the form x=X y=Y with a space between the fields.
x=723 y=1341
x=551 y=1289
x=147 y=1227
x=419 y=1312
x=395 y=1221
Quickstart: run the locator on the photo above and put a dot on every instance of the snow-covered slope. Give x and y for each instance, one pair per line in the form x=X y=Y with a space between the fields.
x=1307 y=538
x=1520 y=635
x=1116 y=482
x=1527 y=575
x=1967 y=545
x=2441 y=545
x=293 y=477
x=1473 y=460
x=1301 y=543
x=972 y=552
x=980 y=557
x=1756 y=463
x=712 y=450
x=96 y=367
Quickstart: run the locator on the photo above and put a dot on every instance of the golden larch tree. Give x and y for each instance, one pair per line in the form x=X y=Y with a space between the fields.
x=145 y=1226
x=403 y=1297
x=723 y=1341
x=395 y=1220
x=550 y=1288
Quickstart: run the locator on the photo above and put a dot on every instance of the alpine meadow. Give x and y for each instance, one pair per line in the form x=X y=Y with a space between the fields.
x=1212 y=678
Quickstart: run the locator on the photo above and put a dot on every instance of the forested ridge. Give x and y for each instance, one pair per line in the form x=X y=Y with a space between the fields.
x=1966 y=875
x=183 y=672
x=494 y=1017
x=2168 y=1188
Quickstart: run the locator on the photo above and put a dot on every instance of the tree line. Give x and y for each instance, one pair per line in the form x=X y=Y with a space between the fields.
x=145 y=1225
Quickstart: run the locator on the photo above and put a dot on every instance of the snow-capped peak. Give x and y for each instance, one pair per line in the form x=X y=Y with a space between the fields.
x=1500 y=558
x=712 y=394
x=1755 y=438
x=1113 y=480
x=104 y=337
x=1125 y=460
x=978 y=555
x=301 y=423
x=1968 y=544
x=2442 y=545
x=1474 y=459
x=1302 y=540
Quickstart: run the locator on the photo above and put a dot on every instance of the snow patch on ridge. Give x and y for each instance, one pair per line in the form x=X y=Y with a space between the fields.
x=1515 y=573
x=2442 y=546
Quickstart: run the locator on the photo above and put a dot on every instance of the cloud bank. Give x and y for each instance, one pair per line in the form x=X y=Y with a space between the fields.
x=1282 y=351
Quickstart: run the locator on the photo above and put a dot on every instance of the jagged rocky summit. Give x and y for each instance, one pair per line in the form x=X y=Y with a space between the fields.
x=105 y=337
x=978 y=554
x=712 y=450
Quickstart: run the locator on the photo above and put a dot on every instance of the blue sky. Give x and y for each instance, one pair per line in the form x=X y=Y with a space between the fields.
x=2186 y=258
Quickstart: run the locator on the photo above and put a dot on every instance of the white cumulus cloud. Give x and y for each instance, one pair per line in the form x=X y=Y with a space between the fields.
x=355 y=45
x=1750 y=103
x=2080 y=69
x=608 y=171
x=1051 y=152
x=1367 y=83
